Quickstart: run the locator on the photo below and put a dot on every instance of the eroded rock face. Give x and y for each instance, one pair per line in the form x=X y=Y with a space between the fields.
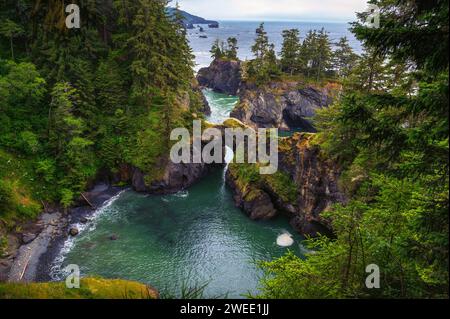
x=285 y=105
x=313 y=187
x=222 y=76
x=255 y=202
x=178 y=177
x=206 y=109
x=317 y=181
x=173 y=178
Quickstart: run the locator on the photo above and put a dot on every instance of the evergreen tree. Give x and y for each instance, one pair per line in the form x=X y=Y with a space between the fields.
x=265 y=65
x=308 y=52
x=11 y=30
x=232 y=50
x=370 y=73
x=290 y=54
x=261 y=45
x=217 y=49
x=110 y=87
x=322 y=62
x=391 y=139
x=344 y=59
x=161 y=54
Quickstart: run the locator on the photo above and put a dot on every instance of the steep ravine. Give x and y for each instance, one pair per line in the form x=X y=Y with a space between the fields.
x=192 y=237
x=306 y=183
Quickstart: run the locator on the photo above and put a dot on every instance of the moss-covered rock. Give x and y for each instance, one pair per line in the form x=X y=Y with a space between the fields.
x=234 y=123
x=305 y=185
x=245 y=180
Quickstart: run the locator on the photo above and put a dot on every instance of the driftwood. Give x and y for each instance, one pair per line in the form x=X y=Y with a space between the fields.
x=87 y=201
x=24 y=269
x=45 y=207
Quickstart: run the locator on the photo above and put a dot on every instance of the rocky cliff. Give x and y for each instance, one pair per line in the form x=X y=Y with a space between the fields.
x=285 y=105
x=305 y=185
x=222 y=76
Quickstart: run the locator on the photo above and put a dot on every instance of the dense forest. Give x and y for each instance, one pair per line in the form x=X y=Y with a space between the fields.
x=389 y=132
x=74 y=102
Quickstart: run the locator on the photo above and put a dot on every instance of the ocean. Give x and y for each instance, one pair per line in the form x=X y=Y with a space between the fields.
x=244 y=31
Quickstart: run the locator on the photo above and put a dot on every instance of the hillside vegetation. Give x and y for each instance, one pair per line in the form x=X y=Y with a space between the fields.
x=90 y=288
x=74 y=102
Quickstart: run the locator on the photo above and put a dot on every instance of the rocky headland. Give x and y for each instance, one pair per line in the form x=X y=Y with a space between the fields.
x=223 y=76
x=287 y=105
x=283 y=103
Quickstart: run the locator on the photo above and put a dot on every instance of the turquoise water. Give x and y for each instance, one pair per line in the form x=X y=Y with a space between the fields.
x=189 y=239
x=221 y=105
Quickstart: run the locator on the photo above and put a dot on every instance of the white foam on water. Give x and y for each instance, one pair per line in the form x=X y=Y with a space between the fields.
x=182 y=194
x=56 y=272
x=285 y=240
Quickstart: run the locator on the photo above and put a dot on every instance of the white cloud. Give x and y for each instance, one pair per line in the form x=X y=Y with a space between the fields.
x=312 y=10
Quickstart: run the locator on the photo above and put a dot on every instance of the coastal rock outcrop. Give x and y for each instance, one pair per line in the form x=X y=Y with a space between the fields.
x=252 y=200
x=176 y=177
x=222 y=76
x=284 y=105
x=305 y=185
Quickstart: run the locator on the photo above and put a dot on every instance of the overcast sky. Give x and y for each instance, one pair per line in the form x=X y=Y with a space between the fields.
x=303 y=10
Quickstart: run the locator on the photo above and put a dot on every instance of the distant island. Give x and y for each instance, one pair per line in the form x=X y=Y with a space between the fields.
x=190 y=20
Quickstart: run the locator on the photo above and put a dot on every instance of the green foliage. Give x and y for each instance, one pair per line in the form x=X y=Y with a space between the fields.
x=386 y=232
x=30 y=142
x=232 y=51
x=92 y=96
x=14 y=203
x=11 y=30
x=291 y=60
x=283 y=185
x=46 y=169
x=219 y=51
x=344 y=59
x=280 y=183
x=6 y=197
x=90 y=288
x=22 y=91
x=316 y=52
x=389 y=132
x=67 y=197
x=3 y=246
x=265 y=65
x=310 y=60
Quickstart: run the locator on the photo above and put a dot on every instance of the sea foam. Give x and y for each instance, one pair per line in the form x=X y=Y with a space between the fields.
x=285 y=240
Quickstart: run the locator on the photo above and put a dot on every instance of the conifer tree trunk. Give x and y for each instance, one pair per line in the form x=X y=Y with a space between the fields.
x=12 y=47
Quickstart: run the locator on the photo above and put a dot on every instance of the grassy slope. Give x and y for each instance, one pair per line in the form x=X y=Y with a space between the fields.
x=90 y=288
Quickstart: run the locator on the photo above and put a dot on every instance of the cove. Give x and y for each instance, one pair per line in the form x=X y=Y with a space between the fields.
x=193 y=238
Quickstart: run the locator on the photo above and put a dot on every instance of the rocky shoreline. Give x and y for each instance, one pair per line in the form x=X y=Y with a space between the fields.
x=41 y=241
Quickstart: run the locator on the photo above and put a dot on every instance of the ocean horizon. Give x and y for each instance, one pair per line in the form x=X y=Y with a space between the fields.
x=244 y=31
